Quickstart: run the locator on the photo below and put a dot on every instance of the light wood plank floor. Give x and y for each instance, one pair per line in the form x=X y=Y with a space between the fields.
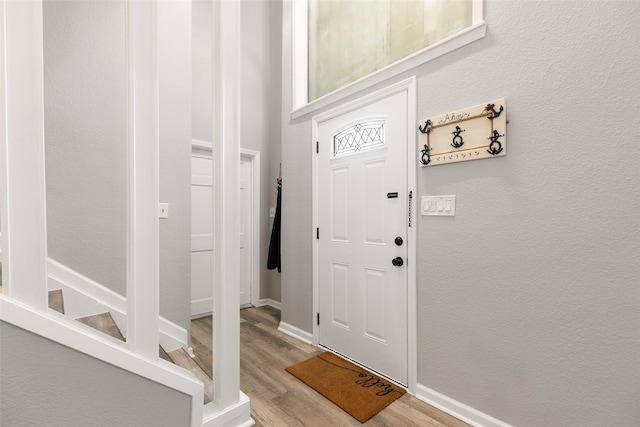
x=278 y=398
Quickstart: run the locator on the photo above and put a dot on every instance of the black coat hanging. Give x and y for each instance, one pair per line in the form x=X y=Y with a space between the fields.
x=274 y=260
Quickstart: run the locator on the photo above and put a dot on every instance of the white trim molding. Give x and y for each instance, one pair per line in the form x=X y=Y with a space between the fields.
x=237 y=415
x=84 y=297
x=79 y=337
x=297 y=333
x=269 y=302
x=201 y=307
x=457 y=409
x=22 y=183
x=198 y=144
x=254 y=157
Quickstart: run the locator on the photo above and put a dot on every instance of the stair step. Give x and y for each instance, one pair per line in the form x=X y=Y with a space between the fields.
x=104 y=323
x=56 y=301
x=182 y=359
x=163 y=354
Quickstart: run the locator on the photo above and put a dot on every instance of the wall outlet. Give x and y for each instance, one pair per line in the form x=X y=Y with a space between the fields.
x=163 y=210
x=272 y=212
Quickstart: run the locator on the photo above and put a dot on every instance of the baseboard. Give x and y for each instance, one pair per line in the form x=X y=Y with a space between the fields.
x=85 y=297
x=457 y=409
x=290 y=330
x=201 y=307
x=270 y=302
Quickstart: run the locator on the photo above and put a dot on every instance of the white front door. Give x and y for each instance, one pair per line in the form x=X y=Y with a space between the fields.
x=362 y=238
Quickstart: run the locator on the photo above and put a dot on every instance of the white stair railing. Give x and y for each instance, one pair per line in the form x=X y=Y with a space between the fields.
x=143 y=190
x=24 y=237
x=23 y=201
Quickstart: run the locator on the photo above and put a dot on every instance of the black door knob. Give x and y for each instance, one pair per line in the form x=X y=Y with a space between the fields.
x=399 y=241
x=397 y=261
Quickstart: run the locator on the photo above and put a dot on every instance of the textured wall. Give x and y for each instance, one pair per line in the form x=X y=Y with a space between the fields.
x=85 y=140
x=85 y=137
x=533 y=309
x=48 y=384
x=202 y=48
x=259 y=119
x=528 y=298
x=296 y=286
x=275 y=132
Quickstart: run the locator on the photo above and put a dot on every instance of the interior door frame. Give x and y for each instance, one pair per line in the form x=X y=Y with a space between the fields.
x=204 y=150
x=408 y=86
x=254 y=158
x=204 y=306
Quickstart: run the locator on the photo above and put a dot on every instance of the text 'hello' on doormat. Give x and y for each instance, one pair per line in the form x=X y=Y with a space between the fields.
x=358 y=392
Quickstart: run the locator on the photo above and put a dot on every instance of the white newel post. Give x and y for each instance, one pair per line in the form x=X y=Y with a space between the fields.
x=22 y=192
x=143 y=181
x=226 y=145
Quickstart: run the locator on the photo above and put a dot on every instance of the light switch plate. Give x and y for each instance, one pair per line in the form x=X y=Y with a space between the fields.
x=438 y=206
x=163 y=210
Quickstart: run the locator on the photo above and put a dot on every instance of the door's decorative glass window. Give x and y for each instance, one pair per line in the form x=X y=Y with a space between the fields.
x=359 y=137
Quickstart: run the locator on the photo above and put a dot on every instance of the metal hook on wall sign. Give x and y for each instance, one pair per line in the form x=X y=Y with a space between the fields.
x=457 y=139
x=493 y=112
x=426 y=128
x=426 y=158
x=495 y=147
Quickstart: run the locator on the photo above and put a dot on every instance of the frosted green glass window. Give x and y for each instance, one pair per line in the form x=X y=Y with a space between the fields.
x=350 y=39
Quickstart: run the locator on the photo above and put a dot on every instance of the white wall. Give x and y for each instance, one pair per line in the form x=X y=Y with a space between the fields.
x=48 y=384
x=528 y=298
x=85 y=140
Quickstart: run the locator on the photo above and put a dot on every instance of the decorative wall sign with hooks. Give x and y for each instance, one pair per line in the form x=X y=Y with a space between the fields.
x=443 y=139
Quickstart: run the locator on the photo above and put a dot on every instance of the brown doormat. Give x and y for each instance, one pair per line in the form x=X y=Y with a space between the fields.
x=358 y=392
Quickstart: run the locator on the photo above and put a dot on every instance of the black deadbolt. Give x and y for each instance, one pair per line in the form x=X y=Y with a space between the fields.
x=397 y=261
x=399 y=241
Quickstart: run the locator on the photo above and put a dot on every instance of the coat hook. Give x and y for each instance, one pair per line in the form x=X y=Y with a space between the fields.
x=457 y=139
x=493 y=112
x=425 y=153
x=495 y=147
x=426 y=128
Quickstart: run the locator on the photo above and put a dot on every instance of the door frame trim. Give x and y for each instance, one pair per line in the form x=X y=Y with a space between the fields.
x=254 y=157
x=204 y=149
x=408 y=86
x=202 y=306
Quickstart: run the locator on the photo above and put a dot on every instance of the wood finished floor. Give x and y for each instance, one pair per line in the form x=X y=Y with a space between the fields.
x=280 y=399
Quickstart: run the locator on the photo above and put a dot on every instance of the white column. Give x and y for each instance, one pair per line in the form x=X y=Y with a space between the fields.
x=22 y=182
x=143 y=181
x=226 y=253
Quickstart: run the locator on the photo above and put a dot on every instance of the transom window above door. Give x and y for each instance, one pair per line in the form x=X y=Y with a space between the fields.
x=343 y=46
